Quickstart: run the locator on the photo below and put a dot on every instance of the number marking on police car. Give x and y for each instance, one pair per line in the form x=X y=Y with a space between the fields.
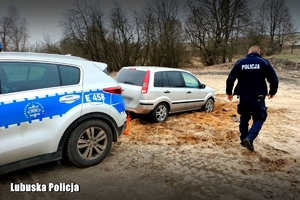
x=95 y=97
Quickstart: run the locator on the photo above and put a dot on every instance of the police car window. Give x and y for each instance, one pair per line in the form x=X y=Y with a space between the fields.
x=14 y=72
x=36 y=72
x=27 y=76
x=69 y=75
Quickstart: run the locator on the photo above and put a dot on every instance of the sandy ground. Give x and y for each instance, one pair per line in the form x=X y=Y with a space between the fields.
x=192 y=155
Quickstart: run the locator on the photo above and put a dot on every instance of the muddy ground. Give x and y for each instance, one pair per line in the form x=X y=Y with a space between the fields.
x=192 y=155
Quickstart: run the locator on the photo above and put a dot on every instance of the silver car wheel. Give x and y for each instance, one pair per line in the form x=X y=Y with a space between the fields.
x=209 y=105
x=91 y=143
x=161 y=113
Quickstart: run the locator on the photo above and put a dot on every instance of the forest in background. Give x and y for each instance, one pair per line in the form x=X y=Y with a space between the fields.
x=168 y=33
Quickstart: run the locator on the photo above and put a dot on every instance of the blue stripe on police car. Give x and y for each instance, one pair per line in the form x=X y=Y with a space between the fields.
x=46 y=107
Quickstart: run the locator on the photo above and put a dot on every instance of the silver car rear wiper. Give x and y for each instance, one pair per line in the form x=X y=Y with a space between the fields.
x=128 y=82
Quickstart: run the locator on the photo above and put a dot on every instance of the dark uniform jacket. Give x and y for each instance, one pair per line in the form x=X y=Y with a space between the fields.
x=251 y=73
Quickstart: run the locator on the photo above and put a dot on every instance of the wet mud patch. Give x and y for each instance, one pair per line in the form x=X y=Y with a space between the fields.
x=188 y=128
x=217 y=127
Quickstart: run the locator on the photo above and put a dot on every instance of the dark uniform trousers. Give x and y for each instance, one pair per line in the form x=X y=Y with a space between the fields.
x=251 y=106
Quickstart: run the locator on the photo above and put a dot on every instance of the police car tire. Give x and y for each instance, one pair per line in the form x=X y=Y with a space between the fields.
x=72 y=150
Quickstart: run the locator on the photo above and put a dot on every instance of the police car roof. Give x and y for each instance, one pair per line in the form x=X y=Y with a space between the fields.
x=28 y=56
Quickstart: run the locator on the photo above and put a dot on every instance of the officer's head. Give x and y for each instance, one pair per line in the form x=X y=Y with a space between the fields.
x=254 y=49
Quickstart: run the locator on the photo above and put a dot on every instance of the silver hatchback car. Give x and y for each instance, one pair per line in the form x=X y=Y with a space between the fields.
x=160 y=91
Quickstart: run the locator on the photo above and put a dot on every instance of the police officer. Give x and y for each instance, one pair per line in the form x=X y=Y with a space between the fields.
x=251 y=73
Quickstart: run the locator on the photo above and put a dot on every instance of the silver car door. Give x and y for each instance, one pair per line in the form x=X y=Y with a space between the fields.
x=174 y=90
x=195 y=94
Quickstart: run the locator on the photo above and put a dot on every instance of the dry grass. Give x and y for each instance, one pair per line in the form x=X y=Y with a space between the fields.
x=287 y=55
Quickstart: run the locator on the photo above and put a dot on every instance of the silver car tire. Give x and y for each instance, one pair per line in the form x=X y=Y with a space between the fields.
x=89 y=143
x=208 y=106
x=160 y=112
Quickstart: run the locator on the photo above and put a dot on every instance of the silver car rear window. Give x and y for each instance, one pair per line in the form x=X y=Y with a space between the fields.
x=131 y=77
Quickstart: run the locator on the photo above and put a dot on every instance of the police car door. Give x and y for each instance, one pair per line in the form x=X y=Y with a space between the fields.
x=36 y=106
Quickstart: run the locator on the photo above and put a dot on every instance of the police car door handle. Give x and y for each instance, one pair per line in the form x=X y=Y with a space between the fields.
x=189 y=92
x=167 y=92
x=69 y=99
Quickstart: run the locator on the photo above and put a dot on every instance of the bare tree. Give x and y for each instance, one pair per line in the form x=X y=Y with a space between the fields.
x=212 y=25
x=91 y=33
x=277 y=23
x=124 y=38
x=163 y=33
x=5 y=31
x=294 y=39
x=49 y=45
x=84 y=29
x=152 y=37
x=14 y=30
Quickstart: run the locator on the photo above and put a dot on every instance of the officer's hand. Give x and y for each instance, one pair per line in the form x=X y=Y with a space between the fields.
x=270 y=96
x=230 y=97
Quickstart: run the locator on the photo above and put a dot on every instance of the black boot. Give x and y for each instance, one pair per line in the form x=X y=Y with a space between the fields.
x=249 y=144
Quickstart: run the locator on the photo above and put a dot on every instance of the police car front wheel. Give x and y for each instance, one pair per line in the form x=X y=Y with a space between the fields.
x=89 y=143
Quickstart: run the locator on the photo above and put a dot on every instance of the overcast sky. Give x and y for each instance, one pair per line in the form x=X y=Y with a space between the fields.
x=43 y=16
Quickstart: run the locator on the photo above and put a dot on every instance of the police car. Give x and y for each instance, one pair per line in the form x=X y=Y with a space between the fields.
x=55 y=105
